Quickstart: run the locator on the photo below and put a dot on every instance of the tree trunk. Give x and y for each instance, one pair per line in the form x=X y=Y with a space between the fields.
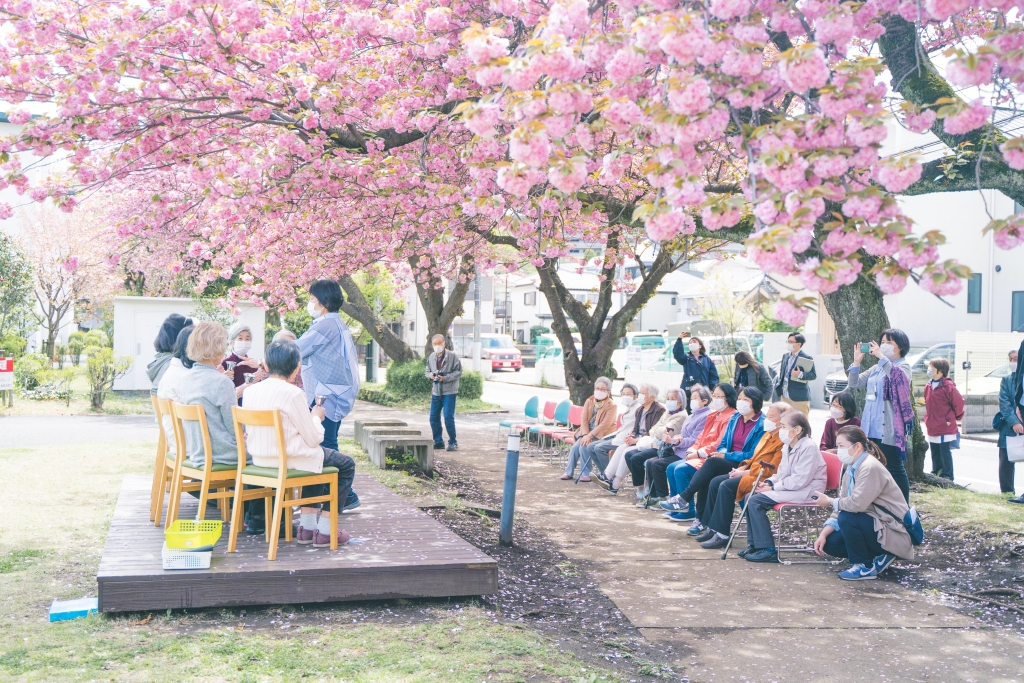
x=357 y=307
x=858 y=311
x=440 y=312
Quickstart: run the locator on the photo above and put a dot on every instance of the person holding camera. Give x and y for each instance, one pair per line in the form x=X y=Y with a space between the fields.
x=443 y=369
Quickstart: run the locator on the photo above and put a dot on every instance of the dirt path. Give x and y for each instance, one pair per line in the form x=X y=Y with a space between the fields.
x=733 y=620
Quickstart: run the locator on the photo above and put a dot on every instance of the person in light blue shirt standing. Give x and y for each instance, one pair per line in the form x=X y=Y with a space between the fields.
x=330 y=365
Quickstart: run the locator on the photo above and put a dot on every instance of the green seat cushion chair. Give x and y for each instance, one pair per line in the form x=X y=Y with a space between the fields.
x=272 y=472
x=217 y=466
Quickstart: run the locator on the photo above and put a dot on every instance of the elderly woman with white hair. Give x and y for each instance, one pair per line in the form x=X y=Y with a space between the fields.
x=238 y=364
x=667 y=425
x=646 y=416
x=597 y=422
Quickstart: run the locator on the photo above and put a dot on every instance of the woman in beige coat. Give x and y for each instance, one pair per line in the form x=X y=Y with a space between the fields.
x=866 y=526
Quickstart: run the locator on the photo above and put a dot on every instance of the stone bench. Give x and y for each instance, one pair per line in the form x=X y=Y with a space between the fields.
x=370 y=432
x=423 y=447
x=360 y=425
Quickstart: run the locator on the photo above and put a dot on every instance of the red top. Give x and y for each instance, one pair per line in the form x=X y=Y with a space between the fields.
x=742 y=431
x=240 y=371
x=828 y=437
x=943 y=406
x=714 y=430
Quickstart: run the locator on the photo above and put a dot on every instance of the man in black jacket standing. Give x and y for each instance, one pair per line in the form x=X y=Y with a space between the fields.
x=791 y=384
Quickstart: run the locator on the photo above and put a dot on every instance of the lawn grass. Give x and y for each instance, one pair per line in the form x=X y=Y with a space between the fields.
x=968 y=510
x=50 y=548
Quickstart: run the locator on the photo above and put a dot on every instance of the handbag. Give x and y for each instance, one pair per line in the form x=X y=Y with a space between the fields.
x=911 y=522
x=1015 y=448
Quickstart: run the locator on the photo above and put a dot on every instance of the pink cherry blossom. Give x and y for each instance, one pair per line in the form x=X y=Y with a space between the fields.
x=971 y=117
x=919 y=122
x=938 y=280
x=664 y=225
x=897 y=174
x=569 y=175
x=804 y=69
x=890 y=283
x=1013 y=153
x=789 y=313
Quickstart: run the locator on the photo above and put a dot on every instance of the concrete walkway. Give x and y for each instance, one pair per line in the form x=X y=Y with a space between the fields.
x=56 y=430
x=740 y=621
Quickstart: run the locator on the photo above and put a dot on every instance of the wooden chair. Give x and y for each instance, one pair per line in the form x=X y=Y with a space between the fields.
x=278 y=479
x=163 y=472
x=155 y=507
x=211 y=475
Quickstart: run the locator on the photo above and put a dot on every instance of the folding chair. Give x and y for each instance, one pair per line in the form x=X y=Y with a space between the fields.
x=565 y=438
x=548 y=415
x=510 y=426
x=280 y=480
x=803 y=521
x=561 y=421
x=217 y=475
x=158 y=467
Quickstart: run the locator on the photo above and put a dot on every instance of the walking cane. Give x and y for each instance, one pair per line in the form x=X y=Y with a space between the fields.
x=764 y=467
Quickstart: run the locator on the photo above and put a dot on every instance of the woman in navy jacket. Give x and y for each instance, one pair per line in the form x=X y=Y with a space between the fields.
x=697 y=366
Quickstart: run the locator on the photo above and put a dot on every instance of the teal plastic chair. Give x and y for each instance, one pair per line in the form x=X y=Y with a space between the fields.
x=513 y=425
x=561 y=420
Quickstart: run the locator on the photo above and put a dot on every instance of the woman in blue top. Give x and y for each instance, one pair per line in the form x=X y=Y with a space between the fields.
x=697 y=366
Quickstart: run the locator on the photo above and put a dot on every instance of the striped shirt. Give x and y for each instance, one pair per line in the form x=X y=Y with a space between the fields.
x=330 y=366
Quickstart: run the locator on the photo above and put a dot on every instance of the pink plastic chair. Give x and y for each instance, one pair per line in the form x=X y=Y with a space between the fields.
x=804 y=520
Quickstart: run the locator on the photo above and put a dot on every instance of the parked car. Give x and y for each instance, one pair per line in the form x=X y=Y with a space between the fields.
x=499 y=349
x=637 y=350
x=835 y=383
x=919 y=365
x=989 y=383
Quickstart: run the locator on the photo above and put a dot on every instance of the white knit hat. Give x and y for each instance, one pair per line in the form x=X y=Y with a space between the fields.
x=237 y=329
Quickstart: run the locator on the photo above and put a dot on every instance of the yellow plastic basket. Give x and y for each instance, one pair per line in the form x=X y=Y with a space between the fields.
x=188 y=534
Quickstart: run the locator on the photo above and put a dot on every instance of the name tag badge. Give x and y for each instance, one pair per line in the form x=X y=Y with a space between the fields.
x=870 y=396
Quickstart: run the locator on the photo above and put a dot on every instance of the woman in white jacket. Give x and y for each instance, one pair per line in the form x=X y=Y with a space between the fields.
x=802 y=471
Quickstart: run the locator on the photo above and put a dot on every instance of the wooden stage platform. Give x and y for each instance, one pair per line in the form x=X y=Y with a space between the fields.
x=404 y=553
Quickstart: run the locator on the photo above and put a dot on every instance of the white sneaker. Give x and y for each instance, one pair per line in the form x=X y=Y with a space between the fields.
x=641 y=493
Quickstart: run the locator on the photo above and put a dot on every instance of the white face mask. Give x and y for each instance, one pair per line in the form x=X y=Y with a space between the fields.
x=785 y=435
x=439 y=350
x=600 y=394
x=836 y=413
x=694 y=348
x=888 y=350
x=792 y=347
x=242 y=347
x=312 y=309
x=844 y=456
x=627 y=401
x=744 y=407
x=642 y=397
x=718 y=404
x=769 y=425
x=695 y=404
x=671 y=406
x=931 y=372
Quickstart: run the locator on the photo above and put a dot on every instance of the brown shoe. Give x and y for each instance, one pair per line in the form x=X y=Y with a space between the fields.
x=324 y=540
x=304 y=536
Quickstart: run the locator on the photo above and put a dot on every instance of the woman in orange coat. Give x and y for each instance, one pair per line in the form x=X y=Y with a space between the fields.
x=728 y=489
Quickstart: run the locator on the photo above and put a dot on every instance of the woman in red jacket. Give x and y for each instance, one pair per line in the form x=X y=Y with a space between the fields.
x=943 y=406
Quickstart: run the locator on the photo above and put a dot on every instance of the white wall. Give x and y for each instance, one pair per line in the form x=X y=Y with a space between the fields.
x=137 y=320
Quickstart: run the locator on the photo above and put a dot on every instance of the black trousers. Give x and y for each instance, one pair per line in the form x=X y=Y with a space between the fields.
x=346 y=473
x=896 y=466
x=656 y=475
x=721 y=503
x=942 y=459
x=1006 y=472
x=698 y=487
x=636 y=460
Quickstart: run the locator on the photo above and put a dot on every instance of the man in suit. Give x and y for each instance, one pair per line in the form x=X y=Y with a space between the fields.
x=791 y=384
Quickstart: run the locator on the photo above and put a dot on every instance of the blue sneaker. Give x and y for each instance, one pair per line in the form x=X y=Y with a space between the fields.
x=678 y=517
x=696 y=529
x=857 y=572
x=762 y=555
x=352 y=502
x=673 y=506
x=882 y=562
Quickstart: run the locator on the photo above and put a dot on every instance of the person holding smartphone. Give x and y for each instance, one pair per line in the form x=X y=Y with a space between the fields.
x=888 y=416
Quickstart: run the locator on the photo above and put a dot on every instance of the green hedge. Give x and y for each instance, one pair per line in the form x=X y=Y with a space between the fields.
x=409 y=380
x=376 y=395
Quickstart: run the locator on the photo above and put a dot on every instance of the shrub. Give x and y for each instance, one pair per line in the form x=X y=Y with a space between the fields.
x=376 y=394
x=96 y=338
x=408 y=380
x=102 y=368
x=536 y=331
x=471 y=385
x=76 y=346
x=12 y=345
x=31 y=370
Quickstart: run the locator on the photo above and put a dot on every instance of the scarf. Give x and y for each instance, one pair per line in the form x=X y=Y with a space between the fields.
x=896 y=390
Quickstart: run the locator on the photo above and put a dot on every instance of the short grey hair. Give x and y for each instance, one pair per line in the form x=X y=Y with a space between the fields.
x=650 y=389
x=438 y=336
x=605 y=381
x=702 y=390
x=678 y=392
x=627 y=385
x=284 y=334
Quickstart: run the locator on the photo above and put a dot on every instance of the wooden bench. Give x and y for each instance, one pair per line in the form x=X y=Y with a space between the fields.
x=423 y=447
x=370 y=432
x=363 y=424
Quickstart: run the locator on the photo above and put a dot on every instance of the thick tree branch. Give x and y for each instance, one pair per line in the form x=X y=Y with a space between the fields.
x=358 y=308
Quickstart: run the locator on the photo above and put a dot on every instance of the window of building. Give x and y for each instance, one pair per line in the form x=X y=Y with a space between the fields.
x=673 y=301
x=1017 y=312
x=974 y=293
x=530 y=299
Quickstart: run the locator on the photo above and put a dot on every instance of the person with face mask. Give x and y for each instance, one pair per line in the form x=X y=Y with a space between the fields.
x=944 y=407
x=240 y=341
x=888 y=416
x=443 y=370
x=596 y=422
x=697 y=366
x=1009 y=424
x=623 y=440
x=842 y=412
x=802 y=471
x=794 y=374
x=669 y=423
x=677 y=441
x=866 y=526
x=750 y=373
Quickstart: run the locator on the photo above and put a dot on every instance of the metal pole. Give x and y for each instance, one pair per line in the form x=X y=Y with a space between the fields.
x=375 y=359
x=508 y=498
x=476 y=318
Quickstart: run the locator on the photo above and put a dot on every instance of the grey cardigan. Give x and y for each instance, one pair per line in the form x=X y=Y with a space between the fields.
x=206 y=386
x=450 y=370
